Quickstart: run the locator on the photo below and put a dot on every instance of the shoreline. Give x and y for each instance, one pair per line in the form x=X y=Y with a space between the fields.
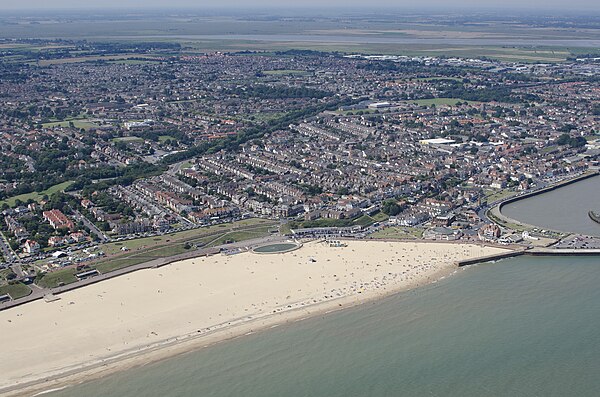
x=230 y=329
x=496 y=210
x=192 y=343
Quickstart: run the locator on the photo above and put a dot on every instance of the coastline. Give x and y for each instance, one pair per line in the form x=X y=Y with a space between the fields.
x=229 y=329
x=192 y=342
x=502 y=219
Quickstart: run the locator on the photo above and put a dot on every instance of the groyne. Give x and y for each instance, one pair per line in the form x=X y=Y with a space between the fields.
x=490 y=258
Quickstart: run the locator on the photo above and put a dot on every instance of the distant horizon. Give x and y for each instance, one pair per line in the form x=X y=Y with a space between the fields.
x=537 y=7
x=304 y=11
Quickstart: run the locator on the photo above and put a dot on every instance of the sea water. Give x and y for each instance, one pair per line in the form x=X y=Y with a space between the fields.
x=563 y=209
x=519 y=327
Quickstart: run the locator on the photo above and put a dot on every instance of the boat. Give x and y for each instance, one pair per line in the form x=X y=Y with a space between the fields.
x=594 y=216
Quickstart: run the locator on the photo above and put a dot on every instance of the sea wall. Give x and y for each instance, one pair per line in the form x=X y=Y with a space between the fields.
x=547 y=189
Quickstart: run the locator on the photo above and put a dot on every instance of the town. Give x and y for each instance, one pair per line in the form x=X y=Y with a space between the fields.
x=109 y=164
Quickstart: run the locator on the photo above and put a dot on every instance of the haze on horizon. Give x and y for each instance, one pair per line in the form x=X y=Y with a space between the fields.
x=545 y=5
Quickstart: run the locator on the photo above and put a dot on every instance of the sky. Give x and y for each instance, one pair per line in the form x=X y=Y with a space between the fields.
x=591 y=5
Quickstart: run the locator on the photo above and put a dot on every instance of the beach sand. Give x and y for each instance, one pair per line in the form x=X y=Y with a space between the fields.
x=153 y=314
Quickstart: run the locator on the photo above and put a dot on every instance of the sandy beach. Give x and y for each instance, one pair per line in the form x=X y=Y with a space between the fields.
x=153 y=314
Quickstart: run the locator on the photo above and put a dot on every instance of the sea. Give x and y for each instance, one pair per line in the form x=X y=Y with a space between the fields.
x=564 y=209
x=526 y=326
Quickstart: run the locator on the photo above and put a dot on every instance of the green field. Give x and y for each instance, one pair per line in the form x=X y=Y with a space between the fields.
x=192 y=236
x=127 y=139
x=37 y=196
x=147 y=249
x=163 y=138
x=493 y=195
x=79 y=124
x=235 y=237
x=186 y=165
x=57 y=278
x=380 y=217
x=15 y=291
x=117 y=264
x=362 y=111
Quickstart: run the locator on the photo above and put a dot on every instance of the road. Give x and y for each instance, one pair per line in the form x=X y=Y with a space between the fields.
x=16 y=268
x=7 y=252
x=175 y=168
x=79 y=217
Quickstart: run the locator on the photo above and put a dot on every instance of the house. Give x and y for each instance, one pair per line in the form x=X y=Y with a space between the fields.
x=31 y=247
x=441 y=233
x=58 y=220
x=56 y=241
x=77 y=237
x=489 y=232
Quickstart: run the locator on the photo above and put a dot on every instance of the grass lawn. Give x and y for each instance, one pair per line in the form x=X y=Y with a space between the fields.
x=120 y=263
x=146 y=249
x=285 y=228
x=495 y=195
x=54 y=279
x=239 y=236
x=79 y=124
x=15 y=291
x=163 y=252
x=149 y=248
x=166 y=251
x=548 y=149
x=355 y=112
x=182 y=237
x=263 y=117
x=186 y=165
x=127 y=139
x=380 y=217
x=37 y=196
x=364 y=220
x=396 y=232
x=5 y=273
x=163 y=138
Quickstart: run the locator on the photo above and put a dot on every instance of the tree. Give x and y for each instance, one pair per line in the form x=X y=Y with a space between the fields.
x=566 y=139
x=343 y=191
x=390 y=207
